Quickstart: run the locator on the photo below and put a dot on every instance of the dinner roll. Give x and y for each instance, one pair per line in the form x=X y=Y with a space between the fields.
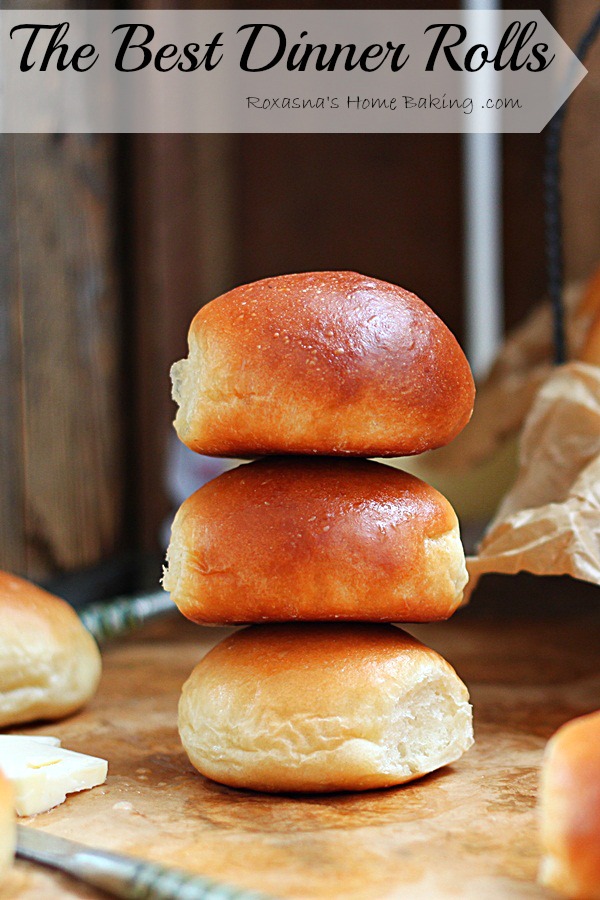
x=49 y=664
x=315 y=538
x=322 y=708
x=330 y=363
x=570 y=810
x=8 y=831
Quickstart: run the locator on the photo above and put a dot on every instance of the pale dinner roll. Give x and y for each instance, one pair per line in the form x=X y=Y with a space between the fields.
x=322 y=708
x=570 y=810
x=315 y=539
x=330 y=363
x=8 y=831
x=49 y=664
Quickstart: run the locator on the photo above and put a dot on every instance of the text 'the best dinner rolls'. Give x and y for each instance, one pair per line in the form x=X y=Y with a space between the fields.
x=330 y=363
x=8 y=831
x=322 y=708
x=49 y=664
x=570 y=810
x=315 y=539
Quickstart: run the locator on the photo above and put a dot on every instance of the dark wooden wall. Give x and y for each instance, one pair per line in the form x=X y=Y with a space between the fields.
x=106 y=254
x=386 y=205
x=61 y=459
x=581 y=148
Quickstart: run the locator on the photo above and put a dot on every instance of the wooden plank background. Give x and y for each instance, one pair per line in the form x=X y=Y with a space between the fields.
x=12 y=518
x=108 y=247
x=61 y=477
x=581 y=148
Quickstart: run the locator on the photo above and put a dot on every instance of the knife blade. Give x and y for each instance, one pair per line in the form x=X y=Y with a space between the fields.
x=121 y=876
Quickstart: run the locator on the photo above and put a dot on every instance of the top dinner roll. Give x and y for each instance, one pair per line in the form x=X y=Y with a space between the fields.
x=330 y=363
x=49 y=664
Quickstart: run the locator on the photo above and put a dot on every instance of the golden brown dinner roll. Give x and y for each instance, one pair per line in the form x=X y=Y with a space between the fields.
x=330 y=363
x=8 y=832
x=315 y=539
x=570 y=810
x=322 y=708
x=49 y=663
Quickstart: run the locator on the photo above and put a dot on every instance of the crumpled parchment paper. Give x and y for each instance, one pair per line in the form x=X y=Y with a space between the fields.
x=549 y=522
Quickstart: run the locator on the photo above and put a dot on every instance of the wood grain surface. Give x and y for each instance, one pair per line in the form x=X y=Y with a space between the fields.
x=60 y=452
x=581 y=146
x=466 y=831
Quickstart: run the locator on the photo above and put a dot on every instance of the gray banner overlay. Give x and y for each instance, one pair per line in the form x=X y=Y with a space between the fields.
x=244 y=71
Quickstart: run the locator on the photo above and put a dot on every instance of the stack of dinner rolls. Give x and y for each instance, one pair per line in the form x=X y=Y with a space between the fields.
x=317 y=549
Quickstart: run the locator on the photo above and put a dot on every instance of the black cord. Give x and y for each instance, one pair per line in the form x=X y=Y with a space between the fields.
x=552 y=199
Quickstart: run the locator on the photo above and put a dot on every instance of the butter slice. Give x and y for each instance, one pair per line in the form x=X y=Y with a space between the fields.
x=43 y=773
x=38 y=738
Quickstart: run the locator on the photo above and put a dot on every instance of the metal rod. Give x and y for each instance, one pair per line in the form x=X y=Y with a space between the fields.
x=482 y=204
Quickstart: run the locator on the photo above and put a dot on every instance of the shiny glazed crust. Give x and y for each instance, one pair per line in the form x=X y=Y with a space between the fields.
x=570 y=810
x=330 y=363
x=315 y=539
x=322 y=708
x=8 y=832
x=49 y=664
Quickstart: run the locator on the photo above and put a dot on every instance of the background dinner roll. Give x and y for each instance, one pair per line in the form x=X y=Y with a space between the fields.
x=315 y=539
x=570 y=810
x=332 y=363
x=8 y=832
x=49 y=664
x=322 y=708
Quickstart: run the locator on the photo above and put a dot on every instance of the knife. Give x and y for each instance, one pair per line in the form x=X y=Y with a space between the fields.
x=121 y=876
x=115 y=618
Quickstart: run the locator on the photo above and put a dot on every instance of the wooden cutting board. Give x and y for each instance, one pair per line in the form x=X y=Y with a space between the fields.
x=466 y=831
